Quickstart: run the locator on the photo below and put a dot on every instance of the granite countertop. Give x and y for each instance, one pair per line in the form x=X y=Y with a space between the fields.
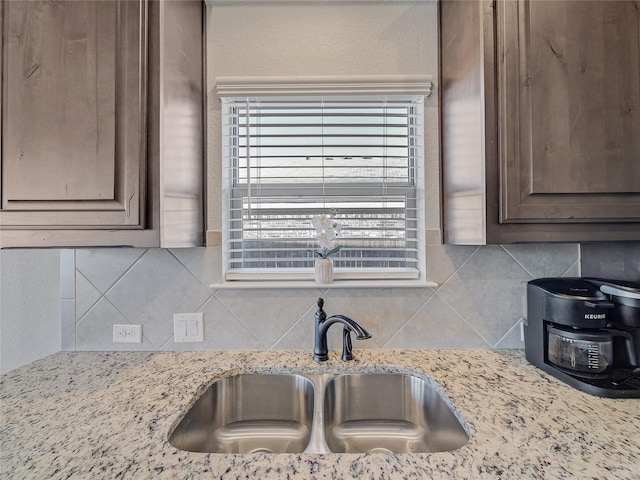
x=108 y=415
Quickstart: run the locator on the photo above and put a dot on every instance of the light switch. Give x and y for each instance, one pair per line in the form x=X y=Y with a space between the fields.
x=188 y=327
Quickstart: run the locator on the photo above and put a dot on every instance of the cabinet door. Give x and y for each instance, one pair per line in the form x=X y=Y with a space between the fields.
x=74 y=119
x=569 y=111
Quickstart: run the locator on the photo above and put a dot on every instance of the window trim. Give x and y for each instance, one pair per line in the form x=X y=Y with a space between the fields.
x=248 y=87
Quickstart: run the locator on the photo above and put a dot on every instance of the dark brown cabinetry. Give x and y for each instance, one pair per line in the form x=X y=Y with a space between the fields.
x=540 y=120
x=102 y=134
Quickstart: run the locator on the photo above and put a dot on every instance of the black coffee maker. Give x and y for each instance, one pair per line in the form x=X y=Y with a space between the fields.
x=586 y=332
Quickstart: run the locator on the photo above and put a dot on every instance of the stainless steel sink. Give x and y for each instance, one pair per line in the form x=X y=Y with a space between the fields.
x=248 y=414
x=355 y=413
x=388 y=413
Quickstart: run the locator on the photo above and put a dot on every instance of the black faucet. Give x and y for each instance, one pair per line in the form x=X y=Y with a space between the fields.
x=320 y=350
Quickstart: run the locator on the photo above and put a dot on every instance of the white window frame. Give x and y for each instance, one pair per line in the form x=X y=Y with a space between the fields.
x=405 y=87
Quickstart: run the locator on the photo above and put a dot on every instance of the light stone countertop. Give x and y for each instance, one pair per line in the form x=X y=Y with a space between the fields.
x=107 y=415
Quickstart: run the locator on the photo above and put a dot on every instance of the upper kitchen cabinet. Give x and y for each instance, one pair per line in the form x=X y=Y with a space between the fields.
x=540 y=121
x=102 y=123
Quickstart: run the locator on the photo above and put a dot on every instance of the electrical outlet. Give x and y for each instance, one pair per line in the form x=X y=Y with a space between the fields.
x=127 y=333
x=188 y=327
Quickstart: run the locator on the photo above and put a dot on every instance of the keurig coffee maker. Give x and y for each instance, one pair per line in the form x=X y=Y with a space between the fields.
x=586 y=332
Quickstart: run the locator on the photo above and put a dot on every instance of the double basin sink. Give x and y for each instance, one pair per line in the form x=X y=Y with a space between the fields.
x=323 y=413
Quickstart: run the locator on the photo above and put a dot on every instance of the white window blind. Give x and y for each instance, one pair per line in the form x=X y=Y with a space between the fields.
x=288 y=159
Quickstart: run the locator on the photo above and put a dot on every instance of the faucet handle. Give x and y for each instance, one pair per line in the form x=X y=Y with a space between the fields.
x=320 y=314
x=347 y=347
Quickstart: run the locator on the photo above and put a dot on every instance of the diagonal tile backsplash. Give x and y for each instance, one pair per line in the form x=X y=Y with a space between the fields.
x=487 y=292
x=436 y=325
x=153 y=289
x=269 y=314
x=479 y=302
x=103 y=267
x=223 y=331
x=382 y=310
x=86 y=295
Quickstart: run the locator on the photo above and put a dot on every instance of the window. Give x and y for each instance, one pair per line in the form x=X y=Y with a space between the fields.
x=287 y=159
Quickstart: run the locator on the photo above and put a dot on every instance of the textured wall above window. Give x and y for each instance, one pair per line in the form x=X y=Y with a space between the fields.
x=311 y=39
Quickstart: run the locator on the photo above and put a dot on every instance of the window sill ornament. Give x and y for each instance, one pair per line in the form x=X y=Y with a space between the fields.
x=326 y=232
x=324 y=271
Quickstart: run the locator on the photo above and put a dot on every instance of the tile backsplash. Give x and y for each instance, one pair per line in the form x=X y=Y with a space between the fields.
x=479 y=302
x=615 y=260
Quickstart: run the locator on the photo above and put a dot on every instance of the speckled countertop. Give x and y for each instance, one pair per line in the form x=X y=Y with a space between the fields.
x=107 y=415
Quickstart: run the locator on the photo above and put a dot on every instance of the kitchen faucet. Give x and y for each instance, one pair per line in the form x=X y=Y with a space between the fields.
x=322 y=324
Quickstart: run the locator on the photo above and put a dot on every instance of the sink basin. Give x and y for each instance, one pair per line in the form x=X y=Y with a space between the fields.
x=249 y=414
x=388 y=413
x=320 y=413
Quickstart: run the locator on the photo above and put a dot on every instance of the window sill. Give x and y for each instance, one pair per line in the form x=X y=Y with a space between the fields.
x=337 y=284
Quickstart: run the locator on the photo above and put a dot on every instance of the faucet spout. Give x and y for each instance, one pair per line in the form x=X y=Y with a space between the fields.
x=360 y=332
x=322 y=324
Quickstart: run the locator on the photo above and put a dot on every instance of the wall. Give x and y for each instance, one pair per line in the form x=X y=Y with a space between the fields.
x=308 y=38
x=478 y=304
x=481 y=294
x=29 y=306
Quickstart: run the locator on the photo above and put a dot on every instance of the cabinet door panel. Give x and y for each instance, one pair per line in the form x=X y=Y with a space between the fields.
x=73 y=150
x=570 y=111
